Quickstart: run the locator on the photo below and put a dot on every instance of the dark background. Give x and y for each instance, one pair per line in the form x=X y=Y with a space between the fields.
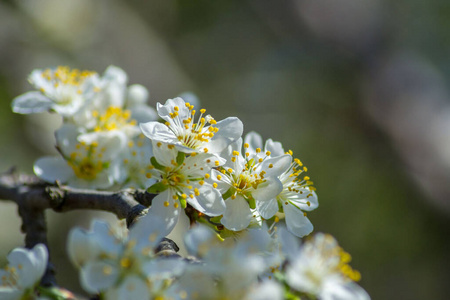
x=357 y=89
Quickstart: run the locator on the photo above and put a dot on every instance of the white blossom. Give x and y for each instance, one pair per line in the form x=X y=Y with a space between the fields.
x=188 y=135
x=181 y=180
x=61 y=90
x=321 y=268
x=122 y=267
x=248 y=183
x=23 y=272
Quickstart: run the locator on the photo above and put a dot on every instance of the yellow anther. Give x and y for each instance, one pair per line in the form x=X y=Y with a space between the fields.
x=215 y=185
x=206 y=150
x=175 y=205
x=235 y=153
x=217 y=163
x=202 y=110
x=175 y=108
x=148 y=175
x=258 y=150
x=270 y=166
x=130 y=144
x=159 y=144
x=166 y=203
x=219 y=177
x=201 y=182
x=268 y=153
x=246 y=145
x=207 y=176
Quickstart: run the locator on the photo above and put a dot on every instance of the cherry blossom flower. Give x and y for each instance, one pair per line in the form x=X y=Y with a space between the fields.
x=321 y=268
x=188 y=135
x=23 y=272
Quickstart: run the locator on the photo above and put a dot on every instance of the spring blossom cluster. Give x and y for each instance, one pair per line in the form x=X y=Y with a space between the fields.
x=247 y=200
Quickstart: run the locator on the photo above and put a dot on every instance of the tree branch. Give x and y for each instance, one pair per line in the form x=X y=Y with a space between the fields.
x=30 y=191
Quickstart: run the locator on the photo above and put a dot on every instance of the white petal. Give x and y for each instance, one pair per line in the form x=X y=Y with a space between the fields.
x=296 y=222
x=163 y=154
x=148 y=231
x=190 y=98
x=275 y=166
x=163 y=268
x=137 y=94
x=268 y=190
x=143 y=113
x=51 y=169
x=275 y=148
x=98 y=276
x=266 y=290
x=210 y=200
x=301 y=200
x=196 y=237
x=31 y=102
x=267 y=208
x=32 y=264
x=133 y=287
x=340 y=290
x=237 y=215
x=165 y=110
x=10 y=293
x=158 y=132
x=168 y=213
x=254 y=140
x=67 y=138
x=230 y=129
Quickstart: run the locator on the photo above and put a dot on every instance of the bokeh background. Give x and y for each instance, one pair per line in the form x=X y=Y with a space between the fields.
x=356 y=88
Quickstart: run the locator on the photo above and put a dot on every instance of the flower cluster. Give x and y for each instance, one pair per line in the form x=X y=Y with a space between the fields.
x=120 y=265
x=100 y=143
x=235 y=190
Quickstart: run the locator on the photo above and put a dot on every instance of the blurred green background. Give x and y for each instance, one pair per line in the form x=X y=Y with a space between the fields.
x=356 y=88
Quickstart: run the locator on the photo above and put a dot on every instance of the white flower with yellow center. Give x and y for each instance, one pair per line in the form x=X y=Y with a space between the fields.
x=228 y=271
x=181 y=180
x=23 y=272
x=112 y=91
x=61 y=90
x=188 y=135
x=298 y=195
x=114 y=122
x=321 y=268
x=122 y=267
x=248 y=183
x=80 y=165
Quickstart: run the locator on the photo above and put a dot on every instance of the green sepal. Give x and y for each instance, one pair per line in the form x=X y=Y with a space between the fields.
x=216 y=219
x=280 y=207
x=180 y=158
x=251 y=202
x=183 y=202
x=228 y=193
x=156 y=164
x=157 y=188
